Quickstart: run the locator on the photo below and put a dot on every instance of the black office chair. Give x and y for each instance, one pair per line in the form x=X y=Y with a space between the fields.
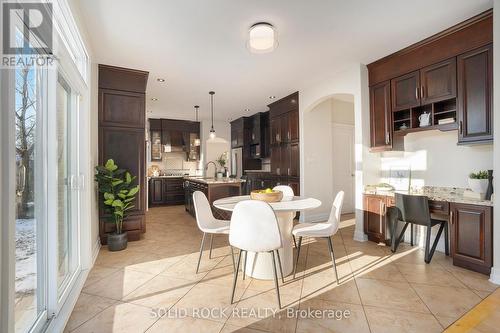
x=414 y=209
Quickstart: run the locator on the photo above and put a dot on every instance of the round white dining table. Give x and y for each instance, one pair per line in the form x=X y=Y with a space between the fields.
x=259 y=265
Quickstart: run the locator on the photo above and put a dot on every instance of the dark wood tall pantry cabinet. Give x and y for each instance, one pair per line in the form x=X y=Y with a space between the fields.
x=122 y=120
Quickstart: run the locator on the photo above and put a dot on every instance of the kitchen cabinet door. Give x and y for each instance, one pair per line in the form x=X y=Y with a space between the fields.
x=406 y=91
x=475 y=95
x=285 y=128
x=121 y=108
x=276 y=160
x=438 y=82
x=374 y=217
x=293 y=125
x=275 y=125
x=294 y=160
x=156 y=191
x=471 y=236
x=380 y=116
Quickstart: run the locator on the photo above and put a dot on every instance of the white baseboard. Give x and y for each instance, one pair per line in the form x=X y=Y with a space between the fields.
x=95 y=251
x=495 y=275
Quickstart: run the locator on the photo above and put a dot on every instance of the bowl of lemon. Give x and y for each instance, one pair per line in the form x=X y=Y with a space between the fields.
x=267 y=195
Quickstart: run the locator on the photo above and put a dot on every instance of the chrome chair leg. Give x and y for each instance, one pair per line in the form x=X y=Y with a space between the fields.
x=281 y=267
x=276 y=280
x=211 y=244
x=297 y=260
x=245 y=265
x=235 y=277
x=332 y=254
x=201 y=252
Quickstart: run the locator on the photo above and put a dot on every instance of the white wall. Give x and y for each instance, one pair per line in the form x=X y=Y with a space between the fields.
x=353 y=80
x=436 y=159
x=343 y=111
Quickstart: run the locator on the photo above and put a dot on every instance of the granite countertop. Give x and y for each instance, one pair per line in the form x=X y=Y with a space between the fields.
x=166 y=176
x=258 y=171
x=448 y=194
x=215 y=181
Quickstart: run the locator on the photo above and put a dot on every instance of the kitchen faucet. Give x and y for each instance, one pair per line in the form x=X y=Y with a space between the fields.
x=215 y=168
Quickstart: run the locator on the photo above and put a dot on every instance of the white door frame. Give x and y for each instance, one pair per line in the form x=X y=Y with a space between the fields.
x=350 y=128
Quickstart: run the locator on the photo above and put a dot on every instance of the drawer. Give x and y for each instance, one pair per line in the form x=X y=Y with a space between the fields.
x=175 y=188
x=439 y=207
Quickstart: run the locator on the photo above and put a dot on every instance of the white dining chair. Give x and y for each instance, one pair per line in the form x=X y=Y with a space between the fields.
x=254 y=228
x=321 y=230
x=287 y=192
x=208 y=224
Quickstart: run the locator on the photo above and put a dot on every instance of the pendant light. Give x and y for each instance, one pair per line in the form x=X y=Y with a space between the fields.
x=197 y=141
x=212 y=130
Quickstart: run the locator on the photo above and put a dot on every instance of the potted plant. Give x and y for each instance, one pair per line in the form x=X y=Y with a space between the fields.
x=222 y=160
x=118 y=193
x=478 y=182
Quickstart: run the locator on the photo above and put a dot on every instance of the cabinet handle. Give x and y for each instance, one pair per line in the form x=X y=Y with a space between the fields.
x=278 y=171
x=451 y=217
x=416 y=93
x=288 y=135
x=460 y=127
x=422 y=93
x=288 y=172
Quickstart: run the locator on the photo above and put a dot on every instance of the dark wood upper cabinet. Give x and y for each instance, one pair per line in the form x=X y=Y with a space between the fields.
x=405 y=91
x=294 y=166
x=438 y=82
x=475 y=95
x=380 y=116
x=275 y=124
x=293 y=125
x=155 y=124
x=120 y=108
x=276 y=160
x=471 y=236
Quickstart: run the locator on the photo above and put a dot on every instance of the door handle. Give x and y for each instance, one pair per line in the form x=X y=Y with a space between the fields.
x=451 y=217
x=416 y=93
x=422 y=93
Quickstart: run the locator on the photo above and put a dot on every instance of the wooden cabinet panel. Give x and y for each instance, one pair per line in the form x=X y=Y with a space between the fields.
x=374 y=217
x=405 y=91
x=121 y=108
x=293 y=124
x=439 y=82
x=380 y=116
x=276 y=160
x=475 y=98
x=294 y=166
x=471 y=236
x=155 y=191
x=275 y=125
x=126 y=146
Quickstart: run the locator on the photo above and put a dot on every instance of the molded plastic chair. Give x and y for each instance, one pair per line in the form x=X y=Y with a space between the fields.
x=207 y=223
x=323 y=230
x=254 y=227
x=414 y=209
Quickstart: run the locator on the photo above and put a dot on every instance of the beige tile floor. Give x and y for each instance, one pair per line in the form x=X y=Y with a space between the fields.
x=378 y=292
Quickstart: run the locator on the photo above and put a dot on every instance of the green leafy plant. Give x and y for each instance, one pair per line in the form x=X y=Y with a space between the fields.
x=479 y=175
x=222 y=160
x=117 y=190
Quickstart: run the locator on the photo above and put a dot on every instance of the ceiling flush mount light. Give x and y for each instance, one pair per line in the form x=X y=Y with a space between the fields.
x=262 y=38
x=154 y=99
x=197 y=141
x=160 y=80
x=212 y=130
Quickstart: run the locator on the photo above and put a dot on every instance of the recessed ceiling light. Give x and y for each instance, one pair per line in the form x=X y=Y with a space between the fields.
x=154 y=99
x=262 y=38
x=160 y=80
x=272 y=97
x=247 y=109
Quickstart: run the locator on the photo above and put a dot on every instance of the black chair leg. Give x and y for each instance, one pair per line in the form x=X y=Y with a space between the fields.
x=275 y=281
x=201 y=252
x=399 y=238
x=411 y=234
x=232 y=257
x=281 y=267
x=436 y=240
x=446 y=240
x=332 y=254
x=294 y=241
x=235 y=277
x=245 y=265
x=297 y=260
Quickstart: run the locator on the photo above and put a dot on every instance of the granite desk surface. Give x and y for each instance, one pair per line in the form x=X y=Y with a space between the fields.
x=448 y=194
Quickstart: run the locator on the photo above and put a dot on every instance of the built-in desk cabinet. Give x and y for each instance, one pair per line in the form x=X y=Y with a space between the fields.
x=470 y=228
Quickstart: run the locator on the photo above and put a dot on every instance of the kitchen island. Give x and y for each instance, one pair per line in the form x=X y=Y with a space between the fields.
x=214 y=188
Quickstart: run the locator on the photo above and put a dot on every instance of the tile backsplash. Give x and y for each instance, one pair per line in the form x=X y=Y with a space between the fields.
x=177 y=161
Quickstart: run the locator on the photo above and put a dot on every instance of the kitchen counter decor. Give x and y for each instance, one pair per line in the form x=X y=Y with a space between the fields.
x=267 y=195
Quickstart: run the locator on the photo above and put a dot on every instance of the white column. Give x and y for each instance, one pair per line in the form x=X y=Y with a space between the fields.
x=495 y=271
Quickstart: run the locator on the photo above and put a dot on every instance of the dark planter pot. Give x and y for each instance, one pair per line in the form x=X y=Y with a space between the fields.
x=117 y=242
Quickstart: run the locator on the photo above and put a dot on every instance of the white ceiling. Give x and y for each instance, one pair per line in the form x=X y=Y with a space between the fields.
x=199 y=46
